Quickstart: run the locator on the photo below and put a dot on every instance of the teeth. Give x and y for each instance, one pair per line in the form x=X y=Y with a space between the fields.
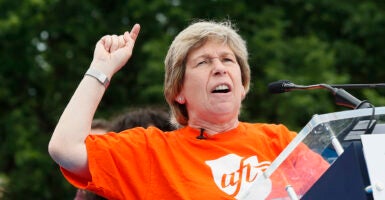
x=222 y=87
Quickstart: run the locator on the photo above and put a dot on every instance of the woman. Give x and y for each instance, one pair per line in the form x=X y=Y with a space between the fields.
x=212 y=155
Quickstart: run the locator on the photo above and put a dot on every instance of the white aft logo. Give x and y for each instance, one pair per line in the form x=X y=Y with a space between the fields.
x=237 y=176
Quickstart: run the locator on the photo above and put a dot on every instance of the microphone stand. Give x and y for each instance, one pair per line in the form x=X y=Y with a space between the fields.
x=357 y=86
x=344 y=98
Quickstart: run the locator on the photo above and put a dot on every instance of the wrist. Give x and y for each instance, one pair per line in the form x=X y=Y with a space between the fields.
x=99 y=76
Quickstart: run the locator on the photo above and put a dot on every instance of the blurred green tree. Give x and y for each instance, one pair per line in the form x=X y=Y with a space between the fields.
x=47 y=46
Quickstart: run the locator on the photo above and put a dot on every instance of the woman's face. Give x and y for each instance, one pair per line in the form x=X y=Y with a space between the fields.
x=212 y=88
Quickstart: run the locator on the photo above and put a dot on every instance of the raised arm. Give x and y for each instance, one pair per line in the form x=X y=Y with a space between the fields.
x=67 y=144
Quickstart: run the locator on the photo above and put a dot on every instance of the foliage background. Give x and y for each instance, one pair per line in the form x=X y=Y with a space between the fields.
x=47 y=45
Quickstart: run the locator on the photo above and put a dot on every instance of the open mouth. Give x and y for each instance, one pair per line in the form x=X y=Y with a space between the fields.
x=221 y=89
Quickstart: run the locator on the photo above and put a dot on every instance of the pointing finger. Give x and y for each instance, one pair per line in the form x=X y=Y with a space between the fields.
x=128 y=36
x=135 y=31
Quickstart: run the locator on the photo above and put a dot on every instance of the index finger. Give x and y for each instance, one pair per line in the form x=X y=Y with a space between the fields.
x=133 y=33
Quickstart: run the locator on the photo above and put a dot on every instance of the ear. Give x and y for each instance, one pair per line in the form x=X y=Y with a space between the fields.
x=180 y=99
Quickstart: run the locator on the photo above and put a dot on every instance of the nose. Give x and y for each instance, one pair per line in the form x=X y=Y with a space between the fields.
x=218 y=67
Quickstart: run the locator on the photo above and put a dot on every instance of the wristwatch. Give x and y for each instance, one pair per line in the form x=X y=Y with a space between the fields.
x=102 y=78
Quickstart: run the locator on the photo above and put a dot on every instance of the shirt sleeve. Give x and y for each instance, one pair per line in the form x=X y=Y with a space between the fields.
x=113 y=159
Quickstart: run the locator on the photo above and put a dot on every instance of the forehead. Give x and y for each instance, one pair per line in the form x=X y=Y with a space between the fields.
x=210 y=48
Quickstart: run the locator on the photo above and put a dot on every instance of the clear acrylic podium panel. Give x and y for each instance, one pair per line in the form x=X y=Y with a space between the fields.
x=312 y=151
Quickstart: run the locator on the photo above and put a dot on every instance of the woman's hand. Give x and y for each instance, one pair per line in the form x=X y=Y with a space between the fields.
x=112 y=51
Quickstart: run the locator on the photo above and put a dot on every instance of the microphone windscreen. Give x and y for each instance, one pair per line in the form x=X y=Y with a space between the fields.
x=277 y=87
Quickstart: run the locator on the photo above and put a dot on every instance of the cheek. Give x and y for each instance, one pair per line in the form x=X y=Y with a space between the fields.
x=194 y=86
x=243 y=93
x=191 y=86
x=239 y=82
x=194 y=80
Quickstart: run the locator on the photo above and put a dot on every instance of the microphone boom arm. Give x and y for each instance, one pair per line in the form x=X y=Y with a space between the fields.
x=342 y=97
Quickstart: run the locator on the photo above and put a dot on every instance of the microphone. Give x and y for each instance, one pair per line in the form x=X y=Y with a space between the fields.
x=342 y=97
x=282 y=86
x=201 y=136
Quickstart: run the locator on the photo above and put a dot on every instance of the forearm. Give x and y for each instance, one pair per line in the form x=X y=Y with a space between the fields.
x=67 y=145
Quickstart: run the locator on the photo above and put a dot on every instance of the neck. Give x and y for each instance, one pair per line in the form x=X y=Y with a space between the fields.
x=214 y=128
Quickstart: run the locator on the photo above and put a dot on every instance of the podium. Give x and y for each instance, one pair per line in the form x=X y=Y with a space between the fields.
x=345 y=179
x=325 y=160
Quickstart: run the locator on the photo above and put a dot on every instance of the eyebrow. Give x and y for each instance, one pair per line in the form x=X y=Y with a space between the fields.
x=221 y=54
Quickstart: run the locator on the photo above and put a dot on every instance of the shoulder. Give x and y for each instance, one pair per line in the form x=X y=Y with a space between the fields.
x=270 y=130
x=141 y=130
x=137 y=134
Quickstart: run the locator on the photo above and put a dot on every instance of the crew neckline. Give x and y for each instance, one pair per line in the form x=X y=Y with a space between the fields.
x=192 y=133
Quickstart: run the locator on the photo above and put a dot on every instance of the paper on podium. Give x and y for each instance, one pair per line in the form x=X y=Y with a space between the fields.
x=374 y=153
x=312 y=151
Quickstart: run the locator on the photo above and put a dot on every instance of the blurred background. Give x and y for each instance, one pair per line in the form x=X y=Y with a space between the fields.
x=47 y=45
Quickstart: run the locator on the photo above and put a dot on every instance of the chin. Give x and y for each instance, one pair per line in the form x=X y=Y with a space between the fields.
x=223 y=110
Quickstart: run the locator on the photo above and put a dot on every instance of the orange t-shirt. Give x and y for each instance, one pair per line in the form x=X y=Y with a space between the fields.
x=150 y=164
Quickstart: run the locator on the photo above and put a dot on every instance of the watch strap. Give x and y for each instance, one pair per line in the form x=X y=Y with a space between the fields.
x=102 y=78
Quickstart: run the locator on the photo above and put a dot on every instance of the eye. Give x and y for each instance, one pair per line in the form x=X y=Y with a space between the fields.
x=228 y=59
x=202 y=62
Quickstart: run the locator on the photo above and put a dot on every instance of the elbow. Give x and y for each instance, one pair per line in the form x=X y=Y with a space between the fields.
x=59 y=149
x=72 y=157
x=54 y=150
x=62 y=148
